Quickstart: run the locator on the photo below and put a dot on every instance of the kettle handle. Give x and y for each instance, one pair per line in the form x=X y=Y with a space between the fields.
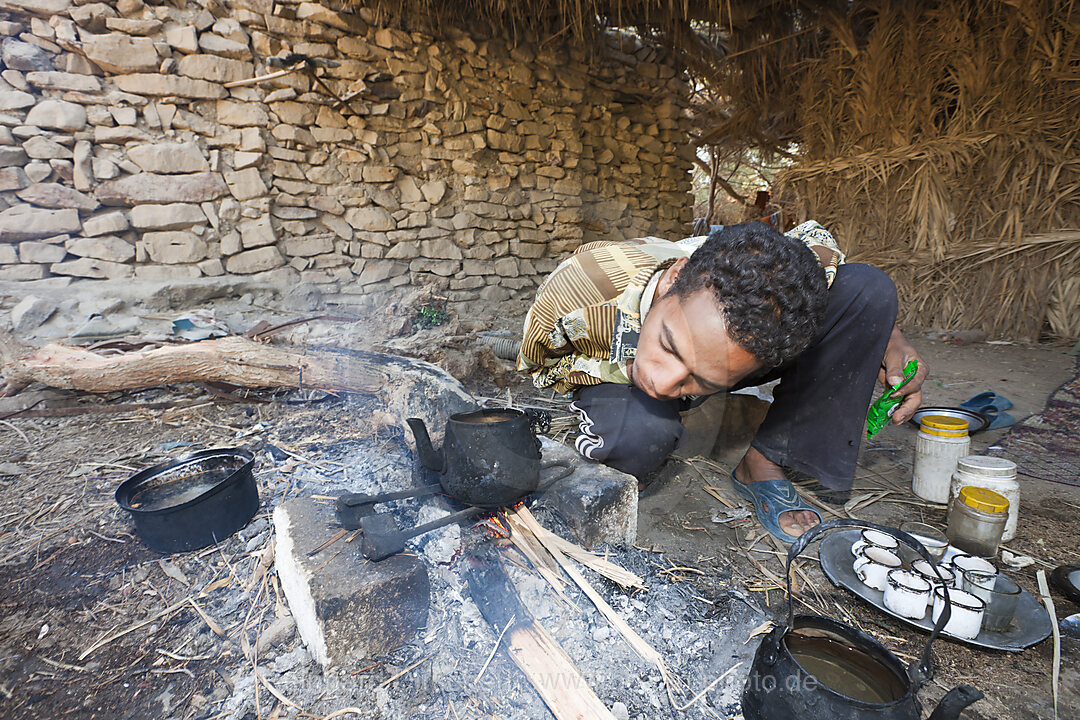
x=919 y=671
x=539 y=424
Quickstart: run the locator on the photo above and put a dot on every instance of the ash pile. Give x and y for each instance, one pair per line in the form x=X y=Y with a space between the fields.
x=479 y=619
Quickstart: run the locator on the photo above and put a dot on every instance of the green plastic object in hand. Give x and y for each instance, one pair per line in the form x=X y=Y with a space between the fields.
x=879 y=414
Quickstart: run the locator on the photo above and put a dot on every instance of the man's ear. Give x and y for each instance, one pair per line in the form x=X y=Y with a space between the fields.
x=669 y=277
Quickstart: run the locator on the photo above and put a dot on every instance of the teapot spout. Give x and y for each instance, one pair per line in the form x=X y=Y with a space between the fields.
x=429 y=456
x=954 y=702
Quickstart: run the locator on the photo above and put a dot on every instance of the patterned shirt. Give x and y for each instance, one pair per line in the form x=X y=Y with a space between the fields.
x=585 y=323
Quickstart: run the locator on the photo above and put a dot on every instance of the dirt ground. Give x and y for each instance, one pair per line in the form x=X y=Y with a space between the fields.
x=675 y=514
x=94 y=625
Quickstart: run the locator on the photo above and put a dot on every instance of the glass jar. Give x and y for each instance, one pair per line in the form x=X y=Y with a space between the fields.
x=977 y=520
x=992 y=473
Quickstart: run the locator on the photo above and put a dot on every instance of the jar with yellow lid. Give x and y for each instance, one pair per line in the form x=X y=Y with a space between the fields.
x=941 y=442
x=977 y=519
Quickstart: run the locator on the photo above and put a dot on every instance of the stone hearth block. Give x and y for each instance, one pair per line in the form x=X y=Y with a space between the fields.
x=598 y=504
x=346 y=608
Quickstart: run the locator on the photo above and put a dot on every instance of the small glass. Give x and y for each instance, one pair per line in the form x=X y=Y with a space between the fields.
x=932 y=539
x=1000 y=594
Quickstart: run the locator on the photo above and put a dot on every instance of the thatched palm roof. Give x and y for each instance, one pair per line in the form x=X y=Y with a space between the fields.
x=939 y=138
x=576 y=20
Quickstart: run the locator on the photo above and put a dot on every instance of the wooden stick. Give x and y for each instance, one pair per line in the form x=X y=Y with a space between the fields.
x=713 y=684
x=1048 y=601
x=536 y=653
x=274 y=691
x=260 y=78
x=345 y=711
x=591 y=560
x=415 y=665
x=524 y=543
x=108 y=639
x=494 y=648
x=404 y=385
x=553 y=674
x=214 y=627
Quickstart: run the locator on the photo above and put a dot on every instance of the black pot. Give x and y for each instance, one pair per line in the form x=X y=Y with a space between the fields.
x=817 y=667
x=193 y=502
x=1067 y=579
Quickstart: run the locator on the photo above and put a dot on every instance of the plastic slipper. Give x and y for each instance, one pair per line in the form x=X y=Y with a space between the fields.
x=997 y=419
x=770 y=499
x=989 y=398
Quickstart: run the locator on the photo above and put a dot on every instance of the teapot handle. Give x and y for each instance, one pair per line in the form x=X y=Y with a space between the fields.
x=919 y=671
x=539 y=420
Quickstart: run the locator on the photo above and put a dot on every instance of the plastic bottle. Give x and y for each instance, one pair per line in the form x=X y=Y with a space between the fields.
x=992 y=473
x=941 y=442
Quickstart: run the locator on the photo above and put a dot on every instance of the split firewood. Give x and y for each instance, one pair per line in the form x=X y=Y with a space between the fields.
x=407 y=387
x=522 y=520
x=532 y=648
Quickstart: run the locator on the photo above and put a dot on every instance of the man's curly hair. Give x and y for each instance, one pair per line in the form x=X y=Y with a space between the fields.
x=770 y=288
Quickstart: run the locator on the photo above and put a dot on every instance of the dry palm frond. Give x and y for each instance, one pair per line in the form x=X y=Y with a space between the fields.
x=939 y=141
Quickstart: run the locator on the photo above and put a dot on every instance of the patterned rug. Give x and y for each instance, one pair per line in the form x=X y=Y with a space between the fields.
x=1047 y=445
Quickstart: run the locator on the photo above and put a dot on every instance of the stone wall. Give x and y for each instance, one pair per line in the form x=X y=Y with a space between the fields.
x=456 y=162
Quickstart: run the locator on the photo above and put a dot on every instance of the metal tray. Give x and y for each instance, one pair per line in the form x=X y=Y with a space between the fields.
x=1031 y=624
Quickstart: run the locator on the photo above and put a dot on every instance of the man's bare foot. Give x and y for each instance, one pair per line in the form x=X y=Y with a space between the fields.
x=755 y=467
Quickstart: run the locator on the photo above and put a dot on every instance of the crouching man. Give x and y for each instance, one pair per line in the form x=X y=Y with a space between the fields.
x=639 y=330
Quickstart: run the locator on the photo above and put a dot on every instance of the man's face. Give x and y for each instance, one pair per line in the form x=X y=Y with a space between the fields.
x=684 y=349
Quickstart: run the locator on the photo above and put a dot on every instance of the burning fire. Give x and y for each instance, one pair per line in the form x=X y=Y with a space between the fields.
x=494 y=525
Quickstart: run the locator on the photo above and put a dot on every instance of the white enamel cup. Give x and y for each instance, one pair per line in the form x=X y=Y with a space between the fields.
x=875 y=538
x=872 y=566
x=906 y=593
x=967 y=613
x=926 y=570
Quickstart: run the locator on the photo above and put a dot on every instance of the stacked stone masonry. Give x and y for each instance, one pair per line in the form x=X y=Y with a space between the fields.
x=456 y=162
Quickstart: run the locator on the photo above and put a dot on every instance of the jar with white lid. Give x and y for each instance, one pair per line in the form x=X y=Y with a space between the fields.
x=941 y=442
x=992 y=473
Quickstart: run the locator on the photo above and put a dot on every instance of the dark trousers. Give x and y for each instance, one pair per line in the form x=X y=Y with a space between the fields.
x=818 y=416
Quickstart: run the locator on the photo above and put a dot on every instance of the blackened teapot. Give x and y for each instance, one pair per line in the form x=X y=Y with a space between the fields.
x=489 y=458
x=817 y=667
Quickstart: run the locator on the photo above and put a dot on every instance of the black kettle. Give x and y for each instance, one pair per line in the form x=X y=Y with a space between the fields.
x=489 y=458
x=875 y=684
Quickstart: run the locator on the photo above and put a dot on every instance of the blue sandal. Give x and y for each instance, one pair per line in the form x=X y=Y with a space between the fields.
x=771 y=498
x=998 y=419
x=989 y=398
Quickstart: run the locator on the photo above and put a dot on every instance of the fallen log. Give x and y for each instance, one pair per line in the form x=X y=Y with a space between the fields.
x=407 y=387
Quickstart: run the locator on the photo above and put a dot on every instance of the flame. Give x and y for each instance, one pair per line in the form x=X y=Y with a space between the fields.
x=494 y=525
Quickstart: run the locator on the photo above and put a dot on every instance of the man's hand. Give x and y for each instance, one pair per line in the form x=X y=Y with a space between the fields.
x=898 y=353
